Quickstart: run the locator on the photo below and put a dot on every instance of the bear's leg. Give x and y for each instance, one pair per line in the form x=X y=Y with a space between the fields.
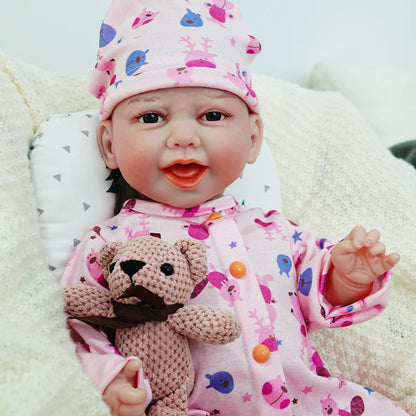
x=176 y=404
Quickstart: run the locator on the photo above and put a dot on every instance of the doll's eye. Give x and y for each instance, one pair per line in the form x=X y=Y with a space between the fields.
x=150 y=118
x=214 y=116
x=166 y=269
x=111 y=268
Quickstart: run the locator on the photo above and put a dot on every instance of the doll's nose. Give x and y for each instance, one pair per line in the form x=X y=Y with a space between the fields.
x=131 y=267
x=183 y=134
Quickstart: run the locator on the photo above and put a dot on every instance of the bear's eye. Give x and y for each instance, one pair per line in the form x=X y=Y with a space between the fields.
x=111 y=268
x=166 y=269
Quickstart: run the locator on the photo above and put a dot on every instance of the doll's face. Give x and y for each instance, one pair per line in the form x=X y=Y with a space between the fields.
x=181 y=146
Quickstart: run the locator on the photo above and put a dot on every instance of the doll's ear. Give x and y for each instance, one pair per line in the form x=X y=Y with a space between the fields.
x=196 y=256
x=106 y=256
x=104 y=135
x=256 y=137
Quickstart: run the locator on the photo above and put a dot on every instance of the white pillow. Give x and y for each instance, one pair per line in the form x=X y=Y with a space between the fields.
x=386 y=96
x=71 y=183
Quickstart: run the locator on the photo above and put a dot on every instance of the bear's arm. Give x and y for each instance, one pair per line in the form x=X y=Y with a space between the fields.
x=205 y=323
x=83 y=300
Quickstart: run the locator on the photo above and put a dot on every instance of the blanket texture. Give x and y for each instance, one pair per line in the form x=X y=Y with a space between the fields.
x=334 y=174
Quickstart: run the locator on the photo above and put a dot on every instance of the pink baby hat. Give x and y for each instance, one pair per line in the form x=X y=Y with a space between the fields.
x=147 y=45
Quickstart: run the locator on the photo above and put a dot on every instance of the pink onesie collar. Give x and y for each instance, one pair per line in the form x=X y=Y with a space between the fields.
x=225 y=205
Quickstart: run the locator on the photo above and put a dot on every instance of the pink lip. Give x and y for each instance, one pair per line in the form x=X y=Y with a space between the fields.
x=185 y=174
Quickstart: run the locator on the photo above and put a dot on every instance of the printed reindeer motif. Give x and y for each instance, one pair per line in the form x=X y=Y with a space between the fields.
x=199 y=57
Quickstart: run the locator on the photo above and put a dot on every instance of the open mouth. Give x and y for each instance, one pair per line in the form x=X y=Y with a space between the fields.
x=185 y=174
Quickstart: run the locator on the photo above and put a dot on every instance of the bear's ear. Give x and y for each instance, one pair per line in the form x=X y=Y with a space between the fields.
x=196 y=256
x=107 y=253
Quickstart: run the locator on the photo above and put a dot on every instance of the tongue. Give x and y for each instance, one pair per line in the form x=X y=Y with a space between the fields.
x=185 y=171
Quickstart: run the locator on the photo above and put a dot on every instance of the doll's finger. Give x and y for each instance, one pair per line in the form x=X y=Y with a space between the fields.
x=131 y=411
x=131 y=368
x=132 y=396
x=391 y=260
x=377 y=249
x=345 y=246
x=372 y=237
x=357 y=236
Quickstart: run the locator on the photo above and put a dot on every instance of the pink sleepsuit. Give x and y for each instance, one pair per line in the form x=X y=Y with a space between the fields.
x=279 y=300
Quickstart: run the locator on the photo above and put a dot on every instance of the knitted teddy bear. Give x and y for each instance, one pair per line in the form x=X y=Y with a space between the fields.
x=149 y=282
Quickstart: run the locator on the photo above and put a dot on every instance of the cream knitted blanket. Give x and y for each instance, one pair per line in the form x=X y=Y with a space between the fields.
x=334 y=174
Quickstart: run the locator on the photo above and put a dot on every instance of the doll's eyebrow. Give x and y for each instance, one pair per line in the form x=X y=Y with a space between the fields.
x=220 y=94
x=212 y=94
x=139 y=98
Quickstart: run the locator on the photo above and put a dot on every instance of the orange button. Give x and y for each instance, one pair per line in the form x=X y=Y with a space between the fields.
x=261 y=353
x=238 y=269
x=214 y=216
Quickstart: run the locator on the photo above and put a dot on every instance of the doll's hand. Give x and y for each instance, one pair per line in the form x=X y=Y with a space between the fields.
x=121 y=395
x=358 y=260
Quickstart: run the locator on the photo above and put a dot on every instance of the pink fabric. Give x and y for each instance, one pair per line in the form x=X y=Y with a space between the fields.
x=147 y=45
x=279 y=301
x=100 y=358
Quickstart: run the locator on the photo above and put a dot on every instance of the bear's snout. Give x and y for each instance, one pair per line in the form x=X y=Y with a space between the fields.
x=131 y=267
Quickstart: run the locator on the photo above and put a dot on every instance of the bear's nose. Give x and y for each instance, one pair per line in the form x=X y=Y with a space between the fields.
x=131 y=267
